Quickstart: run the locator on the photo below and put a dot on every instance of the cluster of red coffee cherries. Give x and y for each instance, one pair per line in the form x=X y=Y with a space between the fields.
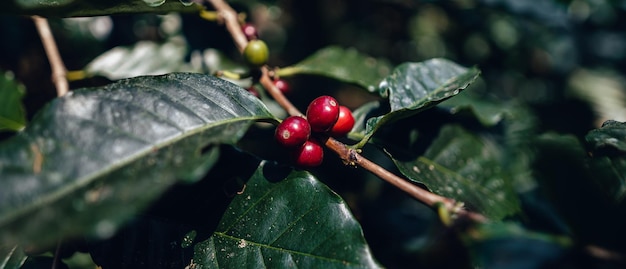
x=324 y=115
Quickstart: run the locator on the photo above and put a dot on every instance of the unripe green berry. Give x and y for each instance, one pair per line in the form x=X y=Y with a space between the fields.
x=256 y=53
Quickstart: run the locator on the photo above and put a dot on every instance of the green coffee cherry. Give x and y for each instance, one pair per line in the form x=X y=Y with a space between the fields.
x=256 y=53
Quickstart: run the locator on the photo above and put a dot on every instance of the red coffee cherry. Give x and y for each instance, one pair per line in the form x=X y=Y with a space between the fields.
x=249 y=31
x=322 y=113
x=344 y=123
x=282 y=85
x=310 y=154
x=293 y=131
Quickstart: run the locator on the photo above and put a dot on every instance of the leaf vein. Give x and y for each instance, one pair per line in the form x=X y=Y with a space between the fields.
x=289 y=251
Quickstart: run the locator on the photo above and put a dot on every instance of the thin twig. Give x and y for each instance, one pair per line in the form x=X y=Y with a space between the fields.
x=57 y=253
x=348 y=155
x=352 y=157
x=230 y=18
x=604 y=254
x=278 y=96
x=56 y=63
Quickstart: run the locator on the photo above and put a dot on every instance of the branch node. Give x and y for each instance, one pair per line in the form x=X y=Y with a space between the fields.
x=353 y=158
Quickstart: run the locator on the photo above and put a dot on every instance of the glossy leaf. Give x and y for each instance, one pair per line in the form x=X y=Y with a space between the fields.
x=95 y=156
x=610 y=177
x=508 y=245
x=486 y=112
x=347 y=65
x=12 y=113
x=414 y=87
x=296 y=222
x=612 y=136
x=467 y=168
x=84 y=8
x=12 y=257
x=520 y=128
x=574 y=183
x=143 y=58
x=608 y=145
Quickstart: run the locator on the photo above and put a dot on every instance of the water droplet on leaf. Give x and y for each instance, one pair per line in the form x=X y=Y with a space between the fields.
x=186 y=2
x=154 y=3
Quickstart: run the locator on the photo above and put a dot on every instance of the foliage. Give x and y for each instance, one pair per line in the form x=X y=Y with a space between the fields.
x=12 y=114
x=296 y=221
x=154 y=161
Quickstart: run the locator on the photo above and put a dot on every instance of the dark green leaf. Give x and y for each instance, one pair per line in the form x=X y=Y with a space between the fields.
x=520 y=128
x=610 y=176
x=466 y=167
x=612 y=136
x=574 y=183
x=296 y=222
x=609 y=158
x=488 y=113
x=83 y=8
x=414 y=87
x=143 y=58
x=11 y=257
x=95 y=156
x=496 y=230
x=508 y=245
x=12 y=113
x=346 y=65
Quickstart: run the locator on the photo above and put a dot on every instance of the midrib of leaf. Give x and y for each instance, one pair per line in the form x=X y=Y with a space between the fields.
x=291 y=224
x=61 y=192
x=293 y=252
x=252 y=206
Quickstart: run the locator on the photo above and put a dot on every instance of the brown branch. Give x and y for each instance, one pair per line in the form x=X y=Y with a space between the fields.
x=278 y=96
x=348 y=155
x=605 y=254
x=56 y=63
x=352 y=157
x=57 y=255
x=230 y=18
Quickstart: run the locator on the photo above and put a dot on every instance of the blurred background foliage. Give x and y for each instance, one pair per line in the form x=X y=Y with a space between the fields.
x=549 y=54
x=563 y=60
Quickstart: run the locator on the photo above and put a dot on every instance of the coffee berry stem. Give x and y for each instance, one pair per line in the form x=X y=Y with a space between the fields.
x=228 y=74
x=348 y=155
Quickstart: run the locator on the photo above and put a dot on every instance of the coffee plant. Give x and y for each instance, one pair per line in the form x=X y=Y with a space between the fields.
x=285 y=134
